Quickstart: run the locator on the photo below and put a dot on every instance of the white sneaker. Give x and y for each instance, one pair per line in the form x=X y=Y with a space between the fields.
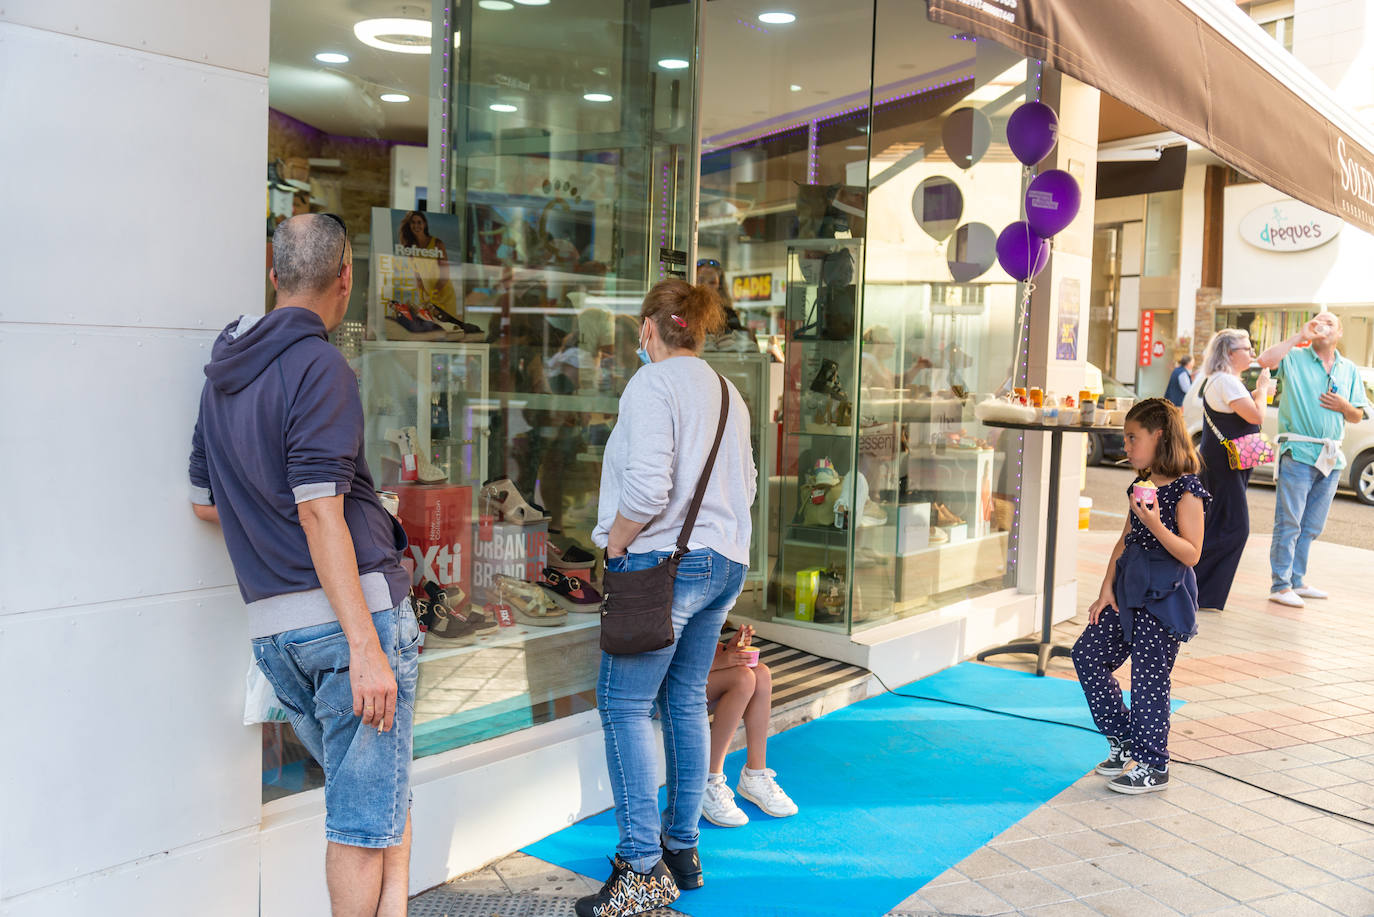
x=763 y=791
x=1287 y=597
x=718 y=805
x=1309 y=592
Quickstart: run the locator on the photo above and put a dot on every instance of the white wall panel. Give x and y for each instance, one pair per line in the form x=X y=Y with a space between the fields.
x=125 y=738
x=218 y=879
x=94 y=457
x=232 y=35
x=136 y=196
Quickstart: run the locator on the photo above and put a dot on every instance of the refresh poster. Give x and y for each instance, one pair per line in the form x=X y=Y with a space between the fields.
x=414 y=264
x=1067 y=326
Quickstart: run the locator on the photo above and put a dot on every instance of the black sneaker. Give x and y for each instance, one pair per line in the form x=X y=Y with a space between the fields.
x=1118 y=751
x=1141 y=779
x=685 y=865
x=627 y=892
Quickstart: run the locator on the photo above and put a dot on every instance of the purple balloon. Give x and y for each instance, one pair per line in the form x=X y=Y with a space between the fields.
x=1052 y=201
x=1032 y=131
x=1021 y=252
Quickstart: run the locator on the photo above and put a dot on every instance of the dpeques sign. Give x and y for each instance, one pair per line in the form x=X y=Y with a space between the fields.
x=1288 y=226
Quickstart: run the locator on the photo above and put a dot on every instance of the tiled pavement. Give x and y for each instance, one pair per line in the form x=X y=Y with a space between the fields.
x=1282 y=698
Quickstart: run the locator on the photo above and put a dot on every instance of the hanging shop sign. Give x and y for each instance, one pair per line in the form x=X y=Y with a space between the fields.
x=1147 y=337
x=1288 y=226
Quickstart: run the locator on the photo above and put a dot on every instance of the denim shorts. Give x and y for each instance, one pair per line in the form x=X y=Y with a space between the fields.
x=366 y=772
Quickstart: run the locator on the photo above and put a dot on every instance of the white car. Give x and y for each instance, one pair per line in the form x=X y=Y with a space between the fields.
x=1358 y=445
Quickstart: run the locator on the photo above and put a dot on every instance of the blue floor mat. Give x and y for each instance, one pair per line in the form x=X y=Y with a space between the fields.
x=892 y=792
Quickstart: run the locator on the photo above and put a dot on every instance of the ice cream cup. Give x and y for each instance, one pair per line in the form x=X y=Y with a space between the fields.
x=1144 y=493
x=751 y=654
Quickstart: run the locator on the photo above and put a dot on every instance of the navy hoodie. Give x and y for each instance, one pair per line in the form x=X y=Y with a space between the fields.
x=281 y=423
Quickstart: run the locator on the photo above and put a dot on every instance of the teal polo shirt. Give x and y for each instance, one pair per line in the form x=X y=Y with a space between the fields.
x=1300 y=411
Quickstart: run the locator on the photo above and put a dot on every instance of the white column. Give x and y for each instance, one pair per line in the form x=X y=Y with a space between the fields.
x=132 y=228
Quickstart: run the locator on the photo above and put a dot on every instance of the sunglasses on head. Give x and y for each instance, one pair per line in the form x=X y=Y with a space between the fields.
x=709 y=262
x=344 y=226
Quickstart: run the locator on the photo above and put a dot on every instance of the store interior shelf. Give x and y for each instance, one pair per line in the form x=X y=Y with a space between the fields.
x=437 y=648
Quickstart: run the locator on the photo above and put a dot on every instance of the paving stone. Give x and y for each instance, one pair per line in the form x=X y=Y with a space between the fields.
x=1344 y=898
x=1081 y=879
x=1128 y=902
x=1025 y=889
x=966 y=898
x=1292 y=904
x=1240 y=883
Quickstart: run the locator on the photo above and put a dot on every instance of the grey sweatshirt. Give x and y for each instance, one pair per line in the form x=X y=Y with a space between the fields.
x=656 y=453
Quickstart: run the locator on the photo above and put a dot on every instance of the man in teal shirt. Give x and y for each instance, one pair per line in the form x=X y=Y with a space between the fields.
x=1322 y=392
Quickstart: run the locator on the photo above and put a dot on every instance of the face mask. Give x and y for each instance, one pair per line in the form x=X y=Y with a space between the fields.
x=642 y=353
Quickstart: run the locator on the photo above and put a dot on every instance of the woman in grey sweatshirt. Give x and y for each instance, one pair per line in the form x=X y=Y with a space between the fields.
x=656 y=454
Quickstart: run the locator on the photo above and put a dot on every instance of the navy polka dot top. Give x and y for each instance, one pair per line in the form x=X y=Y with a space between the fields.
x=1168 y=496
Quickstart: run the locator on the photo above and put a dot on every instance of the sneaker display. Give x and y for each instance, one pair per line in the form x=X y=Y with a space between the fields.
x=1141 y=779
x=685 y=865
x=1118 y=751
x=627 y=892
x=718 y=805
x=763 y=791
x=570 y=592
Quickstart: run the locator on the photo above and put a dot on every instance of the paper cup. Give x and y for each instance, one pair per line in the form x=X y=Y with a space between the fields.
x=1144 y=494
x=751 y=654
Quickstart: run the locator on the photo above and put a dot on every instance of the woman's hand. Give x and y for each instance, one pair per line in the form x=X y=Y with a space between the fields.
x=1263 y=386
x=1105 y=599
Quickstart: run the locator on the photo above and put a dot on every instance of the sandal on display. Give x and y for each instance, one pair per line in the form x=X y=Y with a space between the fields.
x=573 y=557
x=938 y=535
x=406 y=440
x=827 y=380
x=944 y=516
x=570 y=592
x=501 y=497
x=529 y=602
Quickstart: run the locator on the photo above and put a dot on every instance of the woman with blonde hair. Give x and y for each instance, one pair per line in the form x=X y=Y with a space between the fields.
x=1229 y=411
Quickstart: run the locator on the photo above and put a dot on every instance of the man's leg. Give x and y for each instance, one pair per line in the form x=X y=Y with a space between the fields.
x=395 y=877
x=354 y=875
x=1292 y=483
x=1318 y=504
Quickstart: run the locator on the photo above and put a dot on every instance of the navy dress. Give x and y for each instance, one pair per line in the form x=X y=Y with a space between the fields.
x=1228 y=520
x=1156 y=610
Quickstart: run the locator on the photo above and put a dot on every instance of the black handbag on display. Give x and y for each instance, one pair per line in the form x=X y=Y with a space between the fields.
x=637 y=611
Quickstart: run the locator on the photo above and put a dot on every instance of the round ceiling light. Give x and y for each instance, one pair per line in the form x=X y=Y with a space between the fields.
x=502 y=107
x=777 y=17
x=597 y=97
x=331 y=57
x=394 y=97
x=497 y=5
x=673 y=63
x=533 y=2
x=404 y=36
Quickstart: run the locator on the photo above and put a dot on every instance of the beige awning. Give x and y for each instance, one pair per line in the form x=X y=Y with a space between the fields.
x=1199 y=69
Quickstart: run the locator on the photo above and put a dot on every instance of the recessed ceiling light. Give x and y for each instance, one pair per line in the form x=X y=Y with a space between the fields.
x=496 y=4
x=597 y=97
x=778 y=17
x=331 y=57
x=405 y=36
x=602 y=71
x=794 y=87
x=533 y=2
x=394 y=97
x=502 y=107
x=673 y=63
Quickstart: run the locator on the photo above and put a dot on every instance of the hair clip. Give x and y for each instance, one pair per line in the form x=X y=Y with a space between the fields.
x=680 y=322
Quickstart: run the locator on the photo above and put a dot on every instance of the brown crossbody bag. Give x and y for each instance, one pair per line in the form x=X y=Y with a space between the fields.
x=637 y=612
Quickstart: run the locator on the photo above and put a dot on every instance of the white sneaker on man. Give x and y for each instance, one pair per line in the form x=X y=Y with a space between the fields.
x=1309 y=592
x=762 y=790
x=718 y=805
x=1287 y=597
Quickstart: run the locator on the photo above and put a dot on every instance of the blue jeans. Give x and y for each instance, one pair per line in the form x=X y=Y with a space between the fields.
x=674 y=679
x=366 y=772
x=1301 y=501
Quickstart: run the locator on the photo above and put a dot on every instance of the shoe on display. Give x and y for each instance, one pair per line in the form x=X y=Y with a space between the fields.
x=406 y=440
x=718 y=804
x=1118 y=752
x=1310 y=592
x=404 y=316
x=827 y=378
x=570 y=592
x=530 y=602
x=938 y=535
x=824 y=474
x=762 y=790
x=627 y=893
x=573 y=557
x=1141 y=779
x=1287 y=597
x=500 y=497
x=945 y=516
x=685 y=867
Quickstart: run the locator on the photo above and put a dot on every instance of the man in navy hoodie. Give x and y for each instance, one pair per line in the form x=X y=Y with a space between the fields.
x=277 y=461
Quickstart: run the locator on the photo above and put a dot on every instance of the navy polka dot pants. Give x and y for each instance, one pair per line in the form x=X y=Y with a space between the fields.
x=1100 y=651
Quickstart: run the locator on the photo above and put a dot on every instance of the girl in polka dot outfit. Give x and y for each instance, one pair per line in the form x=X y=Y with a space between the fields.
x=1148 y=602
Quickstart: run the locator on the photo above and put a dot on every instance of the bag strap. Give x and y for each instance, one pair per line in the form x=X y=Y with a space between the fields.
x=706 y=472
x=1207 y=412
